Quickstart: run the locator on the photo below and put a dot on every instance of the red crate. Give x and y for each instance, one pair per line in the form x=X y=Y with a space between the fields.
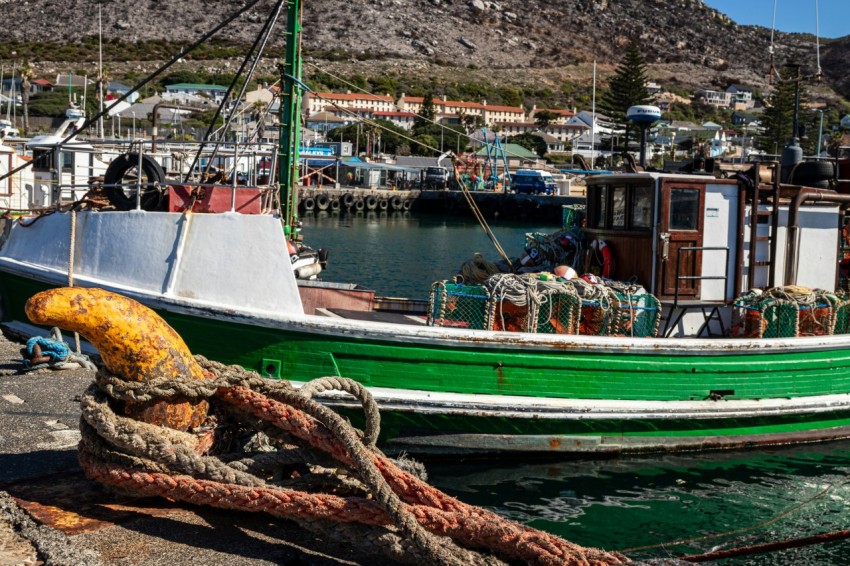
x=214 y=199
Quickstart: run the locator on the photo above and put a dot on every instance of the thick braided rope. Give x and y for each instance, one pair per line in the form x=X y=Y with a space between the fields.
x=511 y=539
x=289 y=504
x=285 y=409
x=352 y=449
x=370 y=408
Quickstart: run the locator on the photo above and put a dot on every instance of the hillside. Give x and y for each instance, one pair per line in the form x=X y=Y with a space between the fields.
x=507 y=41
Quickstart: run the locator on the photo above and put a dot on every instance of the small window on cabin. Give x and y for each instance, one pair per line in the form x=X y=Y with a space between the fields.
x=67 y=161
x=601 y=207
x=41 y=160
x=618 y=207
x=642 y=208
x=684 y=209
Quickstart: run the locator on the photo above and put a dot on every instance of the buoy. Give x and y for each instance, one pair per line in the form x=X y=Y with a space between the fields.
x=290 y=247
x=134 y=343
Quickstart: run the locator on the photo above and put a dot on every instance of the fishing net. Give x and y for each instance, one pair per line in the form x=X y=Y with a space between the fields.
x=611 y=308
x=546 y=304
x=572 y=216
x=546 y=251
x=463 y=306
x=786 y=312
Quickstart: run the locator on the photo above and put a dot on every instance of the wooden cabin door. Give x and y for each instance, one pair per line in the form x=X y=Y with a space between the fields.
x=680 y=229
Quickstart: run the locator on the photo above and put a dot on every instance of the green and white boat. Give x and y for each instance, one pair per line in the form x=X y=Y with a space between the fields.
x=225 y=282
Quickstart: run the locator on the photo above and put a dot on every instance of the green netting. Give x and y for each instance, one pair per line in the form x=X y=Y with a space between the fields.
x=463 y=306
x=573 y=216
x=842 y=317
x=639 y=315
x=778 y=313
x=598 y=317
x=544 y=304
x=558 y=313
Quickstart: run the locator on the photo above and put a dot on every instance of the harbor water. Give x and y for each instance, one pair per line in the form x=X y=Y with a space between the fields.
x=398 y=254
x=647 y=507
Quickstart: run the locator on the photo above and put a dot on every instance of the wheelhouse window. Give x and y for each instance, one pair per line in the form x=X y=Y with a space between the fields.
x=618 y=207
x=600 y=203
x=642 y=208
x=621 y=207
x=684 y=209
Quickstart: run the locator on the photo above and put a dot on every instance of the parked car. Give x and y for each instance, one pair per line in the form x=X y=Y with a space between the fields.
x=533 y=182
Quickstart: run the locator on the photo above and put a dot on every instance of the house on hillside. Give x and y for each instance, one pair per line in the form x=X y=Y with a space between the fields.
x=401 y=119
x=719 y=98
x=114 y=90
x=65 y=80
x=740 y=97
x=214 y=92
x=325 y=122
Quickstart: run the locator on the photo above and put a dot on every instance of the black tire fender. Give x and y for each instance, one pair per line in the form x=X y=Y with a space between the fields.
x=123 y=195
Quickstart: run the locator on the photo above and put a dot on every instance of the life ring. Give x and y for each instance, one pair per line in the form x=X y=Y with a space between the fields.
x=383 y=204
x=348 y=200
x=396 y=203
x=359 y=205
x=335 y=205
x=121 y=180
x=323 y=202
x=371 y=202
x=309 y=204
x=406 y=205
x=601 y=259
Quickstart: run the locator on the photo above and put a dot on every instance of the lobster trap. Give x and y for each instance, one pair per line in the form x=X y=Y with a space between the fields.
x=617 y=310
x=544 y=304
x=537 y=303
x=784 y=313
x=458 y=305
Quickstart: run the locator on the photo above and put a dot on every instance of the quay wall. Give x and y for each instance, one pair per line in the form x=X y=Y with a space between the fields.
x=494 y=205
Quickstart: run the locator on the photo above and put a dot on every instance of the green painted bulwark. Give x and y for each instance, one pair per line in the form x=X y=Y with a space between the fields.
x=562 y=374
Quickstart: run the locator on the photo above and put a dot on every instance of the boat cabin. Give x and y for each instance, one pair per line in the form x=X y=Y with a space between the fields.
x=697 y=242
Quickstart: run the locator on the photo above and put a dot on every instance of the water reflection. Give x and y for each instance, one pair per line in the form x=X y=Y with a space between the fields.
x=630 y=503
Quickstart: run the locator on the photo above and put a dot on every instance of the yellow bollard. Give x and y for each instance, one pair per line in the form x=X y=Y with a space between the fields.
x=135 y=343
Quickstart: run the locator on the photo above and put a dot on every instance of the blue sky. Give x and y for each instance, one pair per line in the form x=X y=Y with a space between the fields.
x=791 y=15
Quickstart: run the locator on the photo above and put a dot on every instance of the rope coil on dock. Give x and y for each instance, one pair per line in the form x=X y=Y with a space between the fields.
x=369 y=499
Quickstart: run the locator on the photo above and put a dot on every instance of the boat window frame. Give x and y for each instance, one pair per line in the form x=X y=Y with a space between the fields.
x=601 y=207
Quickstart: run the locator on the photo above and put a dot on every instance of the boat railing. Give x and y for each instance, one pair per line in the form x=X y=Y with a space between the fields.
x=710 y=309
x=241 y=166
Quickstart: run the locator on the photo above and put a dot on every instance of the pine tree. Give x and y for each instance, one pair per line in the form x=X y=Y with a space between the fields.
x=427 y=113
x=778 y=118
x=626 y=88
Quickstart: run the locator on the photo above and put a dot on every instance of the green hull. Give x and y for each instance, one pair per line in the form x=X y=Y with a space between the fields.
x=643 y=379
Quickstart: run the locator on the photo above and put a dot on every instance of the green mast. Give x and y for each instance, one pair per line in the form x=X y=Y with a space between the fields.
x=290 y=119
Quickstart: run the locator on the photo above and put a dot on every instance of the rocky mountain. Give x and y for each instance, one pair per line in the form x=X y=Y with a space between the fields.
x=683 y=40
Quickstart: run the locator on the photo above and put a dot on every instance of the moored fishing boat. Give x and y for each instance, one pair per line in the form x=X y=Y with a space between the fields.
x=224 y=280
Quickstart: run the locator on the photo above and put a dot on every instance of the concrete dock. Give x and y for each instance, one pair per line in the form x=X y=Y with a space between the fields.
x=493 y=205
x=51 y=514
